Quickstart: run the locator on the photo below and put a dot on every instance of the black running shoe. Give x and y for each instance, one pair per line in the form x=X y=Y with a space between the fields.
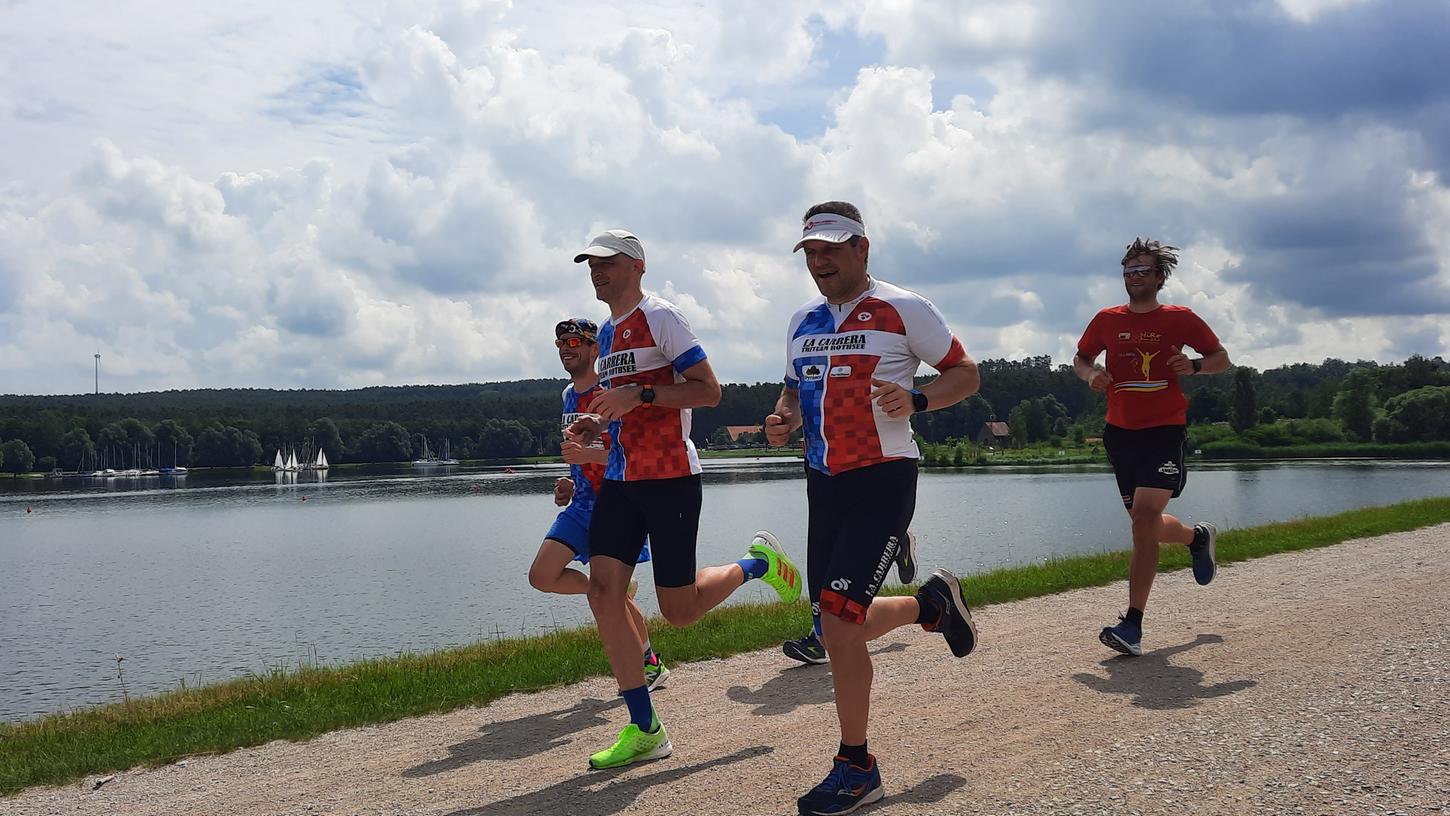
x=1204 y=550
x=943 y=591
x=807 y=649
x=906 y=559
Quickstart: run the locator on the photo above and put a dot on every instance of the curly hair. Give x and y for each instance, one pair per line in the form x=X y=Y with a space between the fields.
x=1165 y=257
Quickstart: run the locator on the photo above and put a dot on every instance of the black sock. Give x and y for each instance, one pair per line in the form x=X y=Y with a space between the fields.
x=856 y=755
x=927 y=611
x=1134 y=616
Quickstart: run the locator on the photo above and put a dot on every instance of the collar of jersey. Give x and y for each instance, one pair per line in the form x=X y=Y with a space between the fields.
x=851 y=304
x=635 y=308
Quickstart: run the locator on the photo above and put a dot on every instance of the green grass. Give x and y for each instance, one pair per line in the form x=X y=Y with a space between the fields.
x=303 y=703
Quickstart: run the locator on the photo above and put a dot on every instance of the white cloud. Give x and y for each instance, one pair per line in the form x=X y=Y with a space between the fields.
x=327 y=195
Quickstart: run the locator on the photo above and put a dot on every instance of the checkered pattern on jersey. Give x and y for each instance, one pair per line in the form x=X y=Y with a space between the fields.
x=649 y=442
x=840 y=426
x=850 y=432
x=873 y=314
x=812 y=387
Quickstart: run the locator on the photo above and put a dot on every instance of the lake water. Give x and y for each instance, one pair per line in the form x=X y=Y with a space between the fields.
x=210 y=577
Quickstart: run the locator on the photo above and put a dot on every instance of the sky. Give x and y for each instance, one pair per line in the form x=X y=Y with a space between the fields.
x=336 y=195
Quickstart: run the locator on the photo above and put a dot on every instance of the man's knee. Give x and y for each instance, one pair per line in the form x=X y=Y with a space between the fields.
x=607 y=590
x=676 y=606
x=540 y=579
x=840 y=634
x=1145 y=515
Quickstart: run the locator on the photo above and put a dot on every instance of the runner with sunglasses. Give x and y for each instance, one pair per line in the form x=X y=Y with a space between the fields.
x=568 y=539
x=1147 y=423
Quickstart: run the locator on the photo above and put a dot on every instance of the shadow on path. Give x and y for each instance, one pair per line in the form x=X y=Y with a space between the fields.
x=523 y=737
x=928 y=791
x=602 y=792
x=1156 y=683
x=794 y=687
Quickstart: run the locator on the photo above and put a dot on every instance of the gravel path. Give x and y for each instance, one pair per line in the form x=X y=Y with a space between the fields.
x=1314 y=683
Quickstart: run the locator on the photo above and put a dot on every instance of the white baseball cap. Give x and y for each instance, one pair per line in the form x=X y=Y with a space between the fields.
x=612 y=242
x=829 y=227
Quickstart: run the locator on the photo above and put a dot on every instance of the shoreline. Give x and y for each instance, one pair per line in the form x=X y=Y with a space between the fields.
x=312 y=700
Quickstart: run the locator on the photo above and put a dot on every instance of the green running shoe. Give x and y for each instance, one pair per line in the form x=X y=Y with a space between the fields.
x=633 y=745
x=780 y=573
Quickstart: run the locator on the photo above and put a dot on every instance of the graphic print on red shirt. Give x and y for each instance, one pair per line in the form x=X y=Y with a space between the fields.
x=1144 y=392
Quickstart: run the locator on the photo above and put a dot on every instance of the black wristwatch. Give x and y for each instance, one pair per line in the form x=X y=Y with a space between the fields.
x=1197 y=365
x=647 y=395
x=918 y=400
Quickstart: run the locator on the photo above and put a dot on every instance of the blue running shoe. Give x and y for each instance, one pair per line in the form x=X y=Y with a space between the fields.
x=808 y=649
x=1204 y=552
x=1126 y=637
x=845 y=789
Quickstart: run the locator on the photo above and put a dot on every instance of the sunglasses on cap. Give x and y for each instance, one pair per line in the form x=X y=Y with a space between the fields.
x=1138 y=271
x=578 y=327
x=571 y=341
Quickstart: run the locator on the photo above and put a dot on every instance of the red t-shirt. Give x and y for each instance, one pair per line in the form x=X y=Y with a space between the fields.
x=1144 y=392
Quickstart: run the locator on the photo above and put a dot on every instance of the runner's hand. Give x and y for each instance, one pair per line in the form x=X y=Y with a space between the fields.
x=893 y=400
x=1179 y=363
x=778 y=427
x=1100 y=380
x=573 y=452
x=616 y=402
x=563 y=490
x=584 y=430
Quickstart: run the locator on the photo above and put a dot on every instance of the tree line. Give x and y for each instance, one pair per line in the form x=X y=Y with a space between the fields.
x=1330 y=401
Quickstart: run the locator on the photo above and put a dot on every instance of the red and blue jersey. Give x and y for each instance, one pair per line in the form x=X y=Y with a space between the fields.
x=833 y=352
x=651 y=345
x=587 y=478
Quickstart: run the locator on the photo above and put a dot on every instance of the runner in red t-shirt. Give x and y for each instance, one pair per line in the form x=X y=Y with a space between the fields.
x=1148 y=419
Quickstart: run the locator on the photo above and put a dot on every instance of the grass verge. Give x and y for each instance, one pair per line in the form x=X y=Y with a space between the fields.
x=299 y=704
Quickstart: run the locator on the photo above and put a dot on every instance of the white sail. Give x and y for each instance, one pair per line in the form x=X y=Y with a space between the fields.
x=322 y=460
x=278 y=464
x=292 y=460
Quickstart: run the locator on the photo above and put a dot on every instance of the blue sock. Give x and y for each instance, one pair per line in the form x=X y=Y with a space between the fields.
x=753 y=567
x=816 y=624
x=641 y=712
x=649 y=651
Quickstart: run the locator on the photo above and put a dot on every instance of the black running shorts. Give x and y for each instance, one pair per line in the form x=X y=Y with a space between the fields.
x=665 y=510
x=856 y=522
x=1148 y=457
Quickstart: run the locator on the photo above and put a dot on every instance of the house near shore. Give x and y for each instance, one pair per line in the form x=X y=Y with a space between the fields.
x=738 y=431
x=994 y=435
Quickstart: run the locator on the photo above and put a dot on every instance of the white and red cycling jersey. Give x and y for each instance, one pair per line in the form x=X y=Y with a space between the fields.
x=651 y=345
x=833 y=352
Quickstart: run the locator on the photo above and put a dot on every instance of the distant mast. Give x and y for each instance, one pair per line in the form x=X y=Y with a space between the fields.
x=98 y=372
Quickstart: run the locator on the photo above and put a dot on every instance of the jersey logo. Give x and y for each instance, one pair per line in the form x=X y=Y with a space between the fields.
x=811 y=372
x=863 y=316
x=840 y=371
x=1168 y=469
x=626 y=333
x=1147 y=360
x=1149 y=337
x=841 y=584
x=1125 y=335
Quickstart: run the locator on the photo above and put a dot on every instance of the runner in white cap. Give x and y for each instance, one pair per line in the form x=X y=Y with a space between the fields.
x=654 y=372
x=851 y=356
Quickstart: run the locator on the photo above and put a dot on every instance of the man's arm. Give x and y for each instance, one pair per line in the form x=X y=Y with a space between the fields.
x=952 y=385
x=1214 y=362
x=1087 y=370
x=785 y=419
x=699 y=390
